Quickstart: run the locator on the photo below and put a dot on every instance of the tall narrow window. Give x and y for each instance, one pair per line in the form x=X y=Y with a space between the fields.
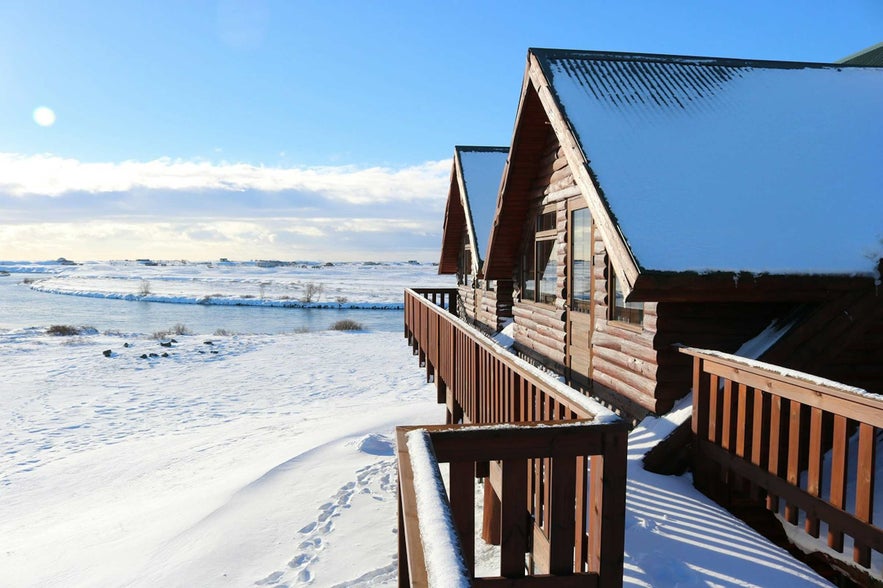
x=581 y=260
x=620 y=310
x=539 y=264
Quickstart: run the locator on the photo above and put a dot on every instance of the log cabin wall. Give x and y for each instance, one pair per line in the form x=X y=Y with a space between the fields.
x=722 y=326
x=493 y=305
x=624 y=358
x=859 y=362
x=539 y=331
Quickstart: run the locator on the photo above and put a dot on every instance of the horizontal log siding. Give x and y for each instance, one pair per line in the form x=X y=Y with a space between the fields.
x=714 y=325
x=624 y=359
x=466 y=306
x=540 y=328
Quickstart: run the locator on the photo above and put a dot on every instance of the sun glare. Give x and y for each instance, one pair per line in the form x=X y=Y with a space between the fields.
x=44 y=116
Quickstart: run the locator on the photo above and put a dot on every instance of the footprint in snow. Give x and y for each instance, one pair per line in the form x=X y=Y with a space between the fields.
x=374 y=480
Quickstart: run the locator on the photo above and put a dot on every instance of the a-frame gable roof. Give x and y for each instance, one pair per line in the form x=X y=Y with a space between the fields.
x=472 y=197
x=870 y=56
x=702 y=165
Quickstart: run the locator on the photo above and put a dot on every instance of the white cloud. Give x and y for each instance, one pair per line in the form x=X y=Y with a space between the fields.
x=52 y=206
x=51 y=175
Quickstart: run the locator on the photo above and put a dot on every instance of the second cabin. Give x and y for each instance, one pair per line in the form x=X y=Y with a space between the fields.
x=472 y=202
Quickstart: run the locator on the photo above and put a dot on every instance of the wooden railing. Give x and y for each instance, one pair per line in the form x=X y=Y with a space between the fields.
x=564 y=447
x=481 y=382
x=787 y=439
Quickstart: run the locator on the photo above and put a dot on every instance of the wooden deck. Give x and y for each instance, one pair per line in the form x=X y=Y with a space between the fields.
x=764 y=434
x=559 y=489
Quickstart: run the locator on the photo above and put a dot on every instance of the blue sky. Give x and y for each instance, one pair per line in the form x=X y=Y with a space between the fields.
x=306 y=130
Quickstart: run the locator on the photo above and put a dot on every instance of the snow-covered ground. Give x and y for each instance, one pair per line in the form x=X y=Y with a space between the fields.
x=308 y=284
x=266 y=460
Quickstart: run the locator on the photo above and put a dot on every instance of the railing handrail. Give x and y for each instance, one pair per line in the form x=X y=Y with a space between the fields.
x=424 y=507
x=851 y=402
x=579 y=404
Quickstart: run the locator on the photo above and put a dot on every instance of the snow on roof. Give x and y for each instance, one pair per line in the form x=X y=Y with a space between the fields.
x=731 y=165
x=482 y=171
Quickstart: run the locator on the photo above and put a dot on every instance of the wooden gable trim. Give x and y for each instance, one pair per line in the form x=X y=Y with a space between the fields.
x=620 y=256
x=455 y=221
x=468 y=221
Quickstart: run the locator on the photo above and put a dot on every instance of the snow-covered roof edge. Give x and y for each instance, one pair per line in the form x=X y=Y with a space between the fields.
x=479 y=187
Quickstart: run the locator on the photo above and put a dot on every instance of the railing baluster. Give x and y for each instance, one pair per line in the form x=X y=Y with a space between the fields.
x=864 y=488
x=793 y=475
x=513 y=542
x=839 y=468
x=814 y=470
x=774 y=434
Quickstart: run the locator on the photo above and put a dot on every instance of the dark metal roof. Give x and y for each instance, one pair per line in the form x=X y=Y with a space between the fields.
x=870 y=57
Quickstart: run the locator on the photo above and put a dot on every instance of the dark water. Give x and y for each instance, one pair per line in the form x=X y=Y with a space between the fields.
x=21 y=307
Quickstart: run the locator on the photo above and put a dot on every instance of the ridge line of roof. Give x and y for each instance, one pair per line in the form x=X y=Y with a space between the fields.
x=487 y=148
x=546 y=54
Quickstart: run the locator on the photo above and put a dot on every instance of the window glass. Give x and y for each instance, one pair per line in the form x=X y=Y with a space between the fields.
x=528 y=290
x=546 y=221
x=581 y=262
x=546 y=270
x=620 y=310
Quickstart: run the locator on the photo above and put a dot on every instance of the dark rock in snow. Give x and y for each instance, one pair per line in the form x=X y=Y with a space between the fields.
x=154 y=355
x=208 y=343
x=164 y=355
x=107 y=352
x=143 y=356
x=166 y=344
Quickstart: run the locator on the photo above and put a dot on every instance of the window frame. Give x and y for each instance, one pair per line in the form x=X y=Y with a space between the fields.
x=628 y=308
x=545 y=236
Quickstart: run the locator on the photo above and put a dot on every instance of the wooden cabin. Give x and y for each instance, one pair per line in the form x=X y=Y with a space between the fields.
x=650 y=201
x=472 y=197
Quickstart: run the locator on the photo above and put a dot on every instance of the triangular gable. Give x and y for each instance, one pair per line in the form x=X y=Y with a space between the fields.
x=472 y=196
x=537 y=109
x=708 y=169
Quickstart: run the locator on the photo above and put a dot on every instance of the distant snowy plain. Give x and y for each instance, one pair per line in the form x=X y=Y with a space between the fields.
x=266 y=460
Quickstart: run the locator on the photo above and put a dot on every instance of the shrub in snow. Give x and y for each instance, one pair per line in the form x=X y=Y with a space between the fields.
x=347 y=325
x=312 y=292
x=63 y=330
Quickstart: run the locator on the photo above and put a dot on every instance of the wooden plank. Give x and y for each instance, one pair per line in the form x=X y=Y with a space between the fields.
x=772 y=501
x=793 y=472
x=410 y=526
x=864 y=489
x=839 y=468
x=612 y=515
x=562 y=515
x=742 y=420
x=863 y=408
x=581 y=515
x=539 y=581
x=814 y=468
x=539 y=439
x=862 y=532
x=513 y=518
x=462 y=500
